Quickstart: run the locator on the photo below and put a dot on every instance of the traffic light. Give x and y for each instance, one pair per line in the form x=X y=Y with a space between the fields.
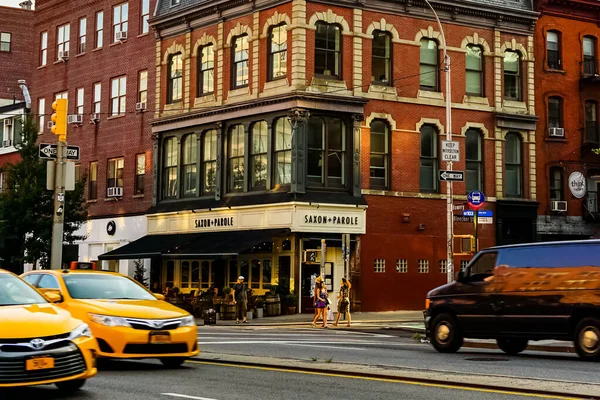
x=466 y=245
x=59 y=118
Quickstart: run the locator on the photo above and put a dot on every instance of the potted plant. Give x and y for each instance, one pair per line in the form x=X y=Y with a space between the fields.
x=227 y=291
x=258 y=305
x=292 y=303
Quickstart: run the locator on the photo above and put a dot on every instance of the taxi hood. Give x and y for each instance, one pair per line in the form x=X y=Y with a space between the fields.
x=148 y=309
x=35 y=320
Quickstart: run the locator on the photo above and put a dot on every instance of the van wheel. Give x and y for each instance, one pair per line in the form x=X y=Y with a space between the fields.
x=70 y=386
x=445 y=334
x=587 y=339
x=512 y=346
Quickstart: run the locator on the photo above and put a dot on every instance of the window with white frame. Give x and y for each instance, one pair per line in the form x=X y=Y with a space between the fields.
x=5 y=41
x=145 y=16
x=114 y=175
x=423 y=266
x=237 y=141
x=63 y=34
x=61 y=95
x=175 y=78
x=258 y=272
x=258 y=155
x=143 y=87
x=97 y=97
x=206 y=70
x=379 y=265
x=463 y=264
x=402 y=266
x=120 y=20
x=80 y=96
x=99 y=29
x=277 y=52
x=282 y=153
x=41 y=111
x=82 y=36
x=118 y=93
x=443 y=266
x=241 y=54
x=43 y=48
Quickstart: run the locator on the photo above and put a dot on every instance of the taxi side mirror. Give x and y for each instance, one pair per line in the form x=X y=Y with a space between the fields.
x=159 y=296
x=52 y=295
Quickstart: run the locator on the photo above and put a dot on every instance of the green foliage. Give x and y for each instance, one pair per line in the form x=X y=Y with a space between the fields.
x=227 y=290
x=596 y=151
x=259 y=302
x=27 y=208
x=139 y=273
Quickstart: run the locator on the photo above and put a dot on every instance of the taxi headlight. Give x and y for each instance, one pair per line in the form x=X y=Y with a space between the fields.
x=108 y=320
x=187 y=321
x=81 y=331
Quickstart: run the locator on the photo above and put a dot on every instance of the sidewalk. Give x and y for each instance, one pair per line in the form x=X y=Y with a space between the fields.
x=358 y=318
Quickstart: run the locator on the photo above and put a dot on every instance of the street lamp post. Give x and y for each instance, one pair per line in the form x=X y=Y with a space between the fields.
x=449 y=211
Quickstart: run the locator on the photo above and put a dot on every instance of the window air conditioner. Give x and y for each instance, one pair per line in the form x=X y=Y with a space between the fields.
x=114 y=192
x=121 y=35
x=558 y=206
x=8 y=122
x=7 y=143
x=557 y=132
x=63 y=55
x=140 y=106
x=75 y=119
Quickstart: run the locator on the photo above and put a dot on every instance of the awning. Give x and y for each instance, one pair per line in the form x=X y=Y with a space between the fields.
x=186 y=245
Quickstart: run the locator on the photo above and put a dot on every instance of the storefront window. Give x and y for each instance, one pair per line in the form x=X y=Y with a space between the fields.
x=258 y=159
x=282 y=156
x=205 y=275
x=185 y=275
x=233 y=272
x=190 y=160
x=170 y=274
x=237 y=143
x=244 y=270
x=195 y=274
x=267 y=273
x=255 y=275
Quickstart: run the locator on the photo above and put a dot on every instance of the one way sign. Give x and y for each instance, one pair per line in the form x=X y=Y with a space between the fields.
x=452 y=176
x=48 y=150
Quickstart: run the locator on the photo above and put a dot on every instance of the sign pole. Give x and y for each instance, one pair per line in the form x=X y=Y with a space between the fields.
x=59 y=206
x=475 y=217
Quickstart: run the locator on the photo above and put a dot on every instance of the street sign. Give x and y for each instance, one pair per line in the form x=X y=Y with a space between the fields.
x=476 y=199
x=461 y=218
x=480 y=213
x=48 y=150
x=485 y=220
x=458 y=208
x=451 y=176
x=450 y=151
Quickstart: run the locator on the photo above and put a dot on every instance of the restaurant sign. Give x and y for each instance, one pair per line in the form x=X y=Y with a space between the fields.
x=315 y=219
x=217 y=222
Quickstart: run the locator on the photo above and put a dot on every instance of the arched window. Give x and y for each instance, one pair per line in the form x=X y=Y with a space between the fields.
x=258 y=156
x=282 y=153
x=209 y=162
x=237 y=141
x=380 y=168
x=206 y=70
x=590 y=61
x=239 y=66
x=190 y=165
x=175 y=78
x=513 y=165
x=556 y=184
x=474 y=158
x=277 y=63
x=429 y=160
x=474 y=71
x=170 y=157
x=512 y=75
x=553 y=50
x=430 y=65
x=328 y=50
x=381 y=58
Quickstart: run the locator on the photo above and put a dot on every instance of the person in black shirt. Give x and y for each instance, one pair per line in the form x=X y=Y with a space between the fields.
x=240 y=298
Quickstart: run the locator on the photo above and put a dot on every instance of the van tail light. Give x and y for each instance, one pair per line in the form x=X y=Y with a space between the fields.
x=427 y=303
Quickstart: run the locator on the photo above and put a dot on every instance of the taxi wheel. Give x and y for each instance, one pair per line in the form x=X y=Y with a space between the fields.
x=587 y=339
x=70 y=386
x=512 y=346
x=445 y=334
x=172 y=362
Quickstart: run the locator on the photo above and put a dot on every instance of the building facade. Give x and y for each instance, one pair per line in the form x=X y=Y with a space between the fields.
x=99 y=56
x=567 y=99
x=289 y=130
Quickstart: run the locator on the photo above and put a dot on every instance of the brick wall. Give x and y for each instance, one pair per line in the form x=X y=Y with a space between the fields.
x=15 y=65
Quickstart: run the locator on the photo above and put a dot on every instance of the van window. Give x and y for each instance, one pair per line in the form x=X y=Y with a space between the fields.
x=554 y=256
x=482 y=267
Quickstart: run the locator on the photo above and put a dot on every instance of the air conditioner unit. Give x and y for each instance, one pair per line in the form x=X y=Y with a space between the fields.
x=557 y=132
x=49 y=124
x=63 y=55
x=95 y=118
x=558 y=206
x=140 y=106
x=114 y=192
x=7 y=143
x=121 y=35
x=8 y=122
x=75 y=119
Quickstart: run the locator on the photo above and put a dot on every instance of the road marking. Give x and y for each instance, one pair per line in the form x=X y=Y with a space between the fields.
x=399 y=380
x=185 y=396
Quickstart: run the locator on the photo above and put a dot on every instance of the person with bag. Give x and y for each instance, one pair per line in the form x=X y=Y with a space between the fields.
x=344 y=302
x=240 y=299
x=321 y=304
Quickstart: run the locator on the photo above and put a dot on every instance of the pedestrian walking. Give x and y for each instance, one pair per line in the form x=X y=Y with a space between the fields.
x=240 y=299
x=321 y=304
x=344 y=302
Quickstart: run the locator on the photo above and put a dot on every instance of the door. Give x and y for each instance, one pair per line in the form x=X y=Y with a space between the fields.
x=309 y=274
x=219 y=270
x=284 y=274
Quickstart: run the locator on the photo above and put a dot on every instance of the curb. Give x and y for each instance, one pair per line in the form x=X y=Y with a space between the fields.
x=307 y=323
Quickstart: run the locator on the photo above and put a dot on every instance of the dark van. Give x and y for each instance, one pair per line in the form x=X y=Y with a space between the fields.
x=519 y=293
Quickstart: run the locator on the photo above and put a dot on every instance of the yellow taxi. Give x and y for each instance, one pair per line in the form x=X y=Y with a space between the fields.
x=39 y=343
x=127 y=320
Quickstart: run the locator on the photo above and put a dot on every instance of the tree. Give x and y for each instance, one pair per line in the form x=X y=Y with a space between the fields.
x=139 y=274
x=27 y=208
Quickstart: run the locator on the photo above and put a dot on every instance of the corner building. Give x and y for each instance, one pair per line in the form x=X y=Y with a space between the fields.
x=292 y=129
x=99 y=55
x=567 y=98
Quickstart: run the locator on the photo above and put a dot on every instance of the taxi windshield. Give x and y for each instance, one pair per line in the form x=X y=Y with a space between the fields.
x=14 y=292
x=102 y=287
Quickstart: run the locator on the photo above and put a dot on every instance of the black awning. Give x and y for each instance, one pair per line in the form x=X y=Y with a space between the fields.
x=186 y=245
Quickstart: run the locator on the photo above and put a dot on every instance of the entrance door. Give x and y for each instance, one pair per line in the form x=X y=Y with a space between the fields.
x=284 y=274
x=219 y=272
x=309 y=273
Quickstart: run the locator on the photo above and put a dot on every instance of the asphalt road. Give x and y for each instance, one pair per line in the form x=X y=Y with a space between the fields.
x=147 y=380
x=392 y=349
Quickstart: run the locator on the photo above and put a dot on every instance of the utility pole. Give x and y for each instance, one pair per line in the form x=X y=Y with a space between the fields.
x=449 y=201
x=59 y=118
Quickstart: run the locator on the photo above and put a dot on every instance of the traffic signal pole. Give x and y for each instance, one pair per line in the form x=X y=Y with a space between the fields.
x=60 y=129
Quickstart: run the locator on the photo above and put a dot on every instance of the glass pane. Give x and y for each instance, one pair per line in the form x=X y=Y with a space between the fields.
x=552 y=38
x=473 y=145
x=267 y=272
x=377 y=161
x=513 y=149
x=237 y=140
x=315 y=166
x=190 y=149
x=185 y=274
x=259 y=170
x=428 y=77
x=513 y=180
x=283 y=171
x=474 y=58
x=511 y=62
x=315 y=133
x=244 y=269
x=381 y=45
x=321 y=36
x=283 y=135
x=259 y=137
x=195 y=274
x=473 y=175
x=335 y=134
x=205 y=274
x=255 y=277
x=427 y=175
x=429 y=54
x=473 y=82
x=233 y=272
x=589 y=45
x=427 y=141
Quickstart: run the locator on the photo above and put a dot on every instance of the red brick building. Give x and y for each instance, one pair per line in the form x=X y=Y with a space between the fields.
x=567 y=98
x=244 y=186
x=99 y=55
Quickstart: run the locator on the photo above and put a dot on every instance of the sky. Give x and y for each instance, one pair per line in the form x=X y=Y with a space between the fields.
x=10 y=3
